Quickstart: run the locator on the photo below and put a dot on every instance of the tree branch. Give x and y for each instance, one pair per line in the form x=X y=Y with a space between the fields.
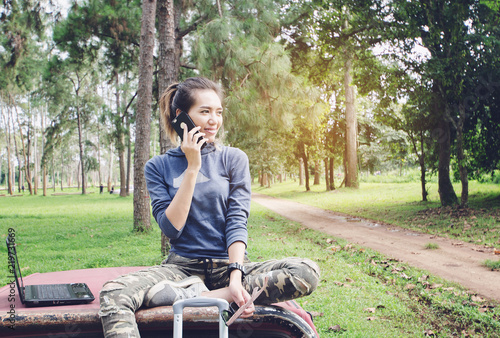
x=191 y=28
x=185 y=65
x=219 y=8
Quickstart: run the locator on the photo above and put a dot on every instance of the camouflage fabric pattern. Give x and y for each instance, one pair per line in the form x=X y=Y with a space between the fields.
x=288 y=279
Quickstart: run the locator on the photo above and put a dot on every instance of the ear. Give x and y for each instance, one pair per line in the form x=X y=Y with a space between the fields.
x=177 y=112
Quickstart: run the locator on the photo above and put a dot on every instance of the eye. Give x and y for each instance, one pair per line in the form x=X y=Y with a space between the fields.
x=219 y=112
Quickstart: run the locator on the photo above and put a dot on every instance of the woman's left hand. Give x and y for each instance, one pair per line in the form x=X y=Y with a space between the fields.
x=240 y=297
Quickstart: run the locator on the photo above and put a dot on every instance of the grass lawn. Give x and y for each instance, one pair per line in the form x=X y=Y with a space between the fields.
x=361 y=294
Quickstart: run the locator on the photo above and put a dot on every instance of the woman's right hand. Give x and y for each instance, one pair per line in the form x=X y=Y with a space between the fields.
x=191 y=146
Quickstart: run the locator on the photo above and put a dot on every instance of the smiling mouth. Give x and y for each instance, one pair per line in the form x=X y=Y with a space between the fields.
x=210 y=131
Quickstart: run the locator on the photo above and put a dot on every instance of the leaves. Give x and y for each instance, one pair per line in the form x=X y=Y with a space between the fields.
x=336 y=328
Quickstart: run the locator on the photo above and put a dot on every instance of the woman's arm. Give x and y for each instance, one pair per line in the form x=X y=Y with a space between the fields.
x=240 y=296
x=178 y=210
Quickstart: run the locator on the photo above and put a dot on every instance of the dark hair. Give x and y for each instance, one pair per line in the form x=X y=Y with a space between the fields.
x=181 y=96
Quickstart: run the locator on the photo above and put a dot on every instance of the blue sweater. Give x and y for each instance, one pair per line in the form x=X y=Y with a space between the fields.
x=221 y=200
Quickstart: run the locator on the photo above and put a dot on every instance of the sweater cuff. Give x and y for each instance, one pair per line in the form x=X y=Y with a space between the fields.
x=168 y=228
x=238 y=238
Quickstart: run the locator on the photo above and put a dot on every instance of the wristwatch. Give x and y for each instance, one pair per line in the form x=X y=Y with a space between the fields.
x=234 y=266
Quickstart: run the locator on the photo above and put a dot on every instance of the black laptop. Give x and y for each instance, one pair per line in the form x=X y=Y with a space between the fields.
x=46 y=294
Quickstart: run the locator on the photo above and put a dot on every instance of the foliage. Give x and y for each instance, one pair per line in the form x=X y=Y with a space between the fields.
x=263 y=97
x=453 y=34
x=282 y=64
x=22 y=24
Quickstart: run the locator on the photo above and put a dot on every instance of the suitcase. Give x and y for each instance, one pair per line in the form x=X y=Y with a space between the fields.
x=179 y=306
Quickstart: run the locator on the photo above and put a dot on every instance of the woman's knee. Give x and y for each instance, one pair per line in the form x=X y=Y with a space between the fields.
x=307 y=275
x=114 y=299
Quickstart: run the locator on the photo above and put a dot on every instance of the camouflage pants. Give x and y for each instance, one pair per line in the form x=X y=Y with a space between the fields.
x=288 y=279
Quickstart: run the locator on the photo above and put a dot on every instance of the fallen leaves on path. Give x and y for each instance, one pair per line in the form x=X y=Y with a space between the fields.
x=336 y=328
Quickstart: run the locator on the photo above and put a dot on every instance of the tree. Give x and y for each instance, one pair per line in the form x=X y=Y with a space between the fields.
x=335 y=38
x=142 y=214
x=238 y=48
x=23 y=27
x=76 y=74
x=453 y=33
x=7 y=121
x=169 y=44
x=168 y=59
x=112 y=28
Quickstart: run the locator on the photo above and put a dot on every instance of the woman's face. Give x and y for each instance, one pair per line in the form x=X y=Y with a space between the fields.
x=206 y=112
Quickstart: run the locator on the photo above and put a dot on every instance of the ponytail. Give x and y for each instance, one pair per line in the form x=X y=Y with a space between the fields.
x=167 y=114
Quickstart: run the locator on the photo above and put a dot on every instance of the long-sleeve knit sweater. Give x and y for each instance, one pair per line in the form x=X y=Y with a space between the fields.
x=221 y=200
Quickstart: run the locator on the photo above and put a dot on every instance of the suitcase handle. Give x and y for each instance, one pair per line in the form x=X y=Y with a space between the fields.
x=179 y=306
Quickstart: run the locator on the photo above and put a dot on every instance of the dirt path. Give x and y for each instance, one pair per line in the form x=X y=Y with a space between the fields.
x=454 y=260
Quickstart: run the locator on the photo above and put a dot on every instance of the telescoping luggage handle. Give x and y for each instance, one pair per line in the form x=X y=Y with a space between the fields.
x=179 y=306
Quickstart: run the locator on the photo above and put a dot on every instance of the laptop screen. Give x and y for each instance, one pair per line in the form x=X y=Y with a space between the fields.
x=14 y=267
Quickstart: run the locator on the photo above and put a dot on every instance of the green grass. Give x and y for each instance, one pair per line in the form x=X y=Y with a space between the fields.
x=493 y=265
x=400 y=204
x=361 y=293
x=69 y=232
x=432 y=246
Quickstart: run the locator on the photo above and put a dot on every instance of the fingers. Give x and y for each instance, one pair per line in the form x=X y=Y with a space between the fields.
x=193 y=137
x=250 y=309
x=248 y=312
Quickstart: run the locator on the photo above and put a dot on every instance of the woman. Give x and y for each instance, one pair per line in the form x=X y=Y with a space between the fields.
x=201 y=201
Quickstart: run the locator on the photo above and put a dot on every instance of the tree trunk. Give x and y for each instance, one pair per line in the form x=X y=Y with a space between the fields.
x=421 y=159
x=129 y=157
x=35 y=160
x=54 y=176
x=462 y=167
x=142 y=214
x=19 y=180
x=301 y=171
x=316 y=172
x=99 y=151
x=327 y=180
x=264 y=179
x=110 y=169
x=332 y=174
x=306 y=173
x=44 y=179
x=27 y=173
x=120 y=139
x=446 y=192
x=44 y=165
x=62 y=170
x=306 y=165
x=351 y=175
x=168 y=73
x=80 y=144
x=34 y=174
x=10 y=185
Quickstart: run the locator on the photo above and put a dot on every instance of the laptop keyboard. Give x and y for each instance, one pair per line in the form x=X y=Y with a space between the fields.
x=53 y=291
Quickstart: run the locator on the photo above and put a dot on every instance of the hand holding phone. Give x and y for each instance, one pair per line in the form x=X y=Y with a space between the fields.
x=184 y=118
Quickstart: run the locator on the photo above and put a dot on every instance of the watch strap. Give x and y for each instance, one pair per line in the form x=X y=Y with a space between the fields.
x=236 y=266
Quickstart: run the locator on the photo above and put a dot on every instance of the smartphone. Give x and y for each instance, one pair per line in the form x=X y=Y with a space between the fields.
x=177 y=124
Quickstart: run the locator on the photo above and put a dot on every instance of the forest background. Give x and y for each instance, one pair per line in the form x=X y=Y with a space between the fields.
x=321 y=88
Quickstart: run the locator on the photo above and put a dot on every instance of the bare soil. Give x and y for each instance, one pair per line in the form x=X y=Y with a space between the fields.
x=454 y=260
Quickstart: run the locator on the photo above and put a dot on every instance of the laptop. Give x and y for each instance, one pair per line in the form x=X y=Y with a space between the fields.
x=46 y=294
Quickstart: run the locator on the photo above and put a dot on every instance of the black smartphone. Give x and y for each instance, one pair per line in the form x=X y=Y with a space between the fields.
x=177 y=124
